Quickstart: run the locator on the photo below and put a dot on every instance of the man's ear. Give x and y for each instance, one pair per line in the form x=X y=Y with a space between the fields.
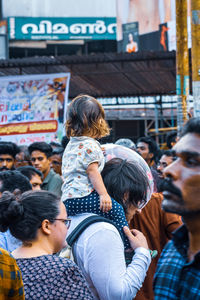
x=46 y=227
x=174 y=143
x=150 y=155
x=126 y=195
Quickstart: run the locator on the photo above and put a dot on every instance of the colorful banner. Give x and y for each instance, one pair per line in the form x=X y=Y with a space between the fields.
x=32 y=107
x=22 y=28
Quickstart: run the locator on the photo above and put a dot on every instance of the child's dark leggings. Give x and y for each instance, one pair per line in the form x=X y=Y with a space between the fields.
x=91 y=204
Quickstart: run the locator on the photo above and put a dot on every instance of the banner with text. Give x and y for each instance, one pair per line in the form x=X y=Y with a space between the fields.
x=32 y=107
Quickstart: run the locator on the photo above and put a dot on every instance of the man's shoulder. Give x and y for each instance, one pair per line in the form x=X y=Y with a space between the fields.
x=176 y=249
x=97 y=236
x=53 y=183
x=57 y=177
x=171 y=258
x=3 y=252
x=174 y=275
x=157 y=197
x=95 y=227
x=54 y=176
x=169 y=250
x=6 y=258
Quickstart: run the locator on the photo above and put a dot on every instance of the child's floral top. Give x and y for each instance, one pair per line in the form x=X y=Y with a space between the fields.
x=78 y=155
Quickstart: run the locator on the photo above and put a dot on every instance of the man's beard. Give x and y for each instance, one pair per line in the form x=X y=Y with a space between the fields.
x=159 y=184
x=178 y=205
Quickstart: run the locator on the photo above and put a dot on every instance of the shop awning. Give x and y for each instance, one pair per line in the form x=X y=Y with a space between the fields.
x=105 y=75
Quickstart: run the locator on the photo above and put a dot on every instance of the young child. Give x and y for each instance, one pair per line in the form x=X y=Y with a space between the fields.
x=83 y=189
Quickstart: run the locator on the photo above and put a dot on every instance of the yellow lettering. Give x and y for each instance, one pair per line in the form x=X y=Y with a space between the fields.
x=13 y=129
x=42 y=126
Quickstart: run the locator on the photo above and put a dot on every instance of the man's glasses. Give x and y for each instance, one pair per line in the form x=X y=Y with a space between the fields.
x=67 y=222
x=141 y=204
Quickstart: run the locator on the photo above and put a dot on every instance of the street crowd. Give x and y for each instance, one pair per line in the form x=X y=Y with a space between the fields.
x=141 y=248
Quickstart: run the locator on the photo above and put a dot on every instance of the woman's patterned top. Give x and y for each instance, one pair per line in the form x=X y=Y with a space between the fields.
x=52 y=277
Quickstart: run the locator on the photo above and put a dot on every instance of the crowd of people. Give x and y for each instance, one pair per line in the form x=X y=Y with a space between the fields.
x=48 y=190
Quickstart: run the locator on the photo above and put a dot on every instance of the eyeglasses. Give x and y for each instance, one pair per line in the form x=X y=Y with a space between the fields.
x=67 y=222
x=141 y=204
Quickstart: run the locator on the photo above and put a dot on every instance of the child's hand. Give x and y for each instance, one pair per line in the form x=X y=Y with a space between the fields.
x=103 y=150
x=105 y=203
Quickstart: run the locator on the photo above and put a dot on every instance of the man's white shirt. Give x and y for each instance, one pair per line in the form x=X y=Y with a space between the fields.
x=99 y=252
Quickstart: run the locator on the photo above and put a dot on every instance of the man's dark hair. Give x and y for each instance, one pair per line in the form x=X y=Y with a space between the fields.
x=121 y=177
x=42 y=147
x=24 y=214
x=9 y=148
x=192 y=126
x=29 y=171
x=171 y=138
x=167 y=153
x=12 y=180
x=153 y=146
x=58 y=151
x=24 y=149
x=55 y=145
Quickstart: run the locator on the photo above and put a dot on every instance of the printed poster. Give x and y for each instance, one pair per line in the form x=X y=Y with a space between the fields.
x=130 y=37
x=32 y=107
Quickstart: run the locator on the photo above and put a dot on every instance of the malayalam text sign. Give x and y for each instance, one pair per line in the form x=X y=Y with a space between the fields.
x=32 y=105
x=22 y=28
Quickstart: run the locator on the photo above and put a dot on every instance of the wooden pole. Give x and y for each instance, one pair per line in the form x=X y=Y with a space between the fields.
x=195 y=14
x=182 y=62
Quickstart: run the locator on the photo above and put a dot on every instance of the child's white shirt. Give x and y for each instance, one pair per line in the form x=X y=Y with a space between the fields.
x=78 y=155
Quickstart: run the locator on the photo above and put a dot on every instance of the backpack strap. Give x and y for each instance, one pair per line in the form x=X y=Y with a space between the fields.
x=83 y=225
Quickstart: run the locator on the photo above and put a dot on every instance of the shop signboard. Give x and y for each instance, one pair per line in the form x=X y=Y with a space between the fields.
x=23 y=28
x=32 y=107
